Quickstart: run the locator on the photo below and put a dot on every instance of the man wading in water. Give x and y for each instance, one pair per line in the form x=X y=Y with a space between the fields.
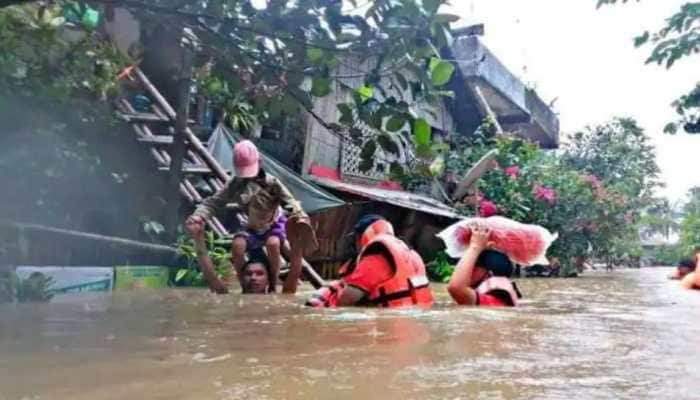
x=263 y=202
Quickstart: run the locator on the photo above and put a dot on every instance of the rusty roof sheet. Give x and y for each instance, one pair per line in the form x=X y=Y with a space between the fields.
x=397 y=198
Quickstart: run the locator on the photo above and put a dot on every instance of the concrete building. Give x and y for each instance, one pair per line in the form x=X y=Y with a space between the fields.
x=482 y=85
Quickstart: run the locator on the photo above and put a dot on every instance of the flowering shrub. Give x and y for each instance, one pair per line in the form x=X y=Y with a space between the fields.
x=593 y=206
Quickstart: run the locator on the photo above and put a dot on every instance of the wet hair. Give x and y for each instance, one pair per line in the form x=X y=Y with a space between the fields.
x=364 y=223
x=686 y=263
x=258 y=257
x=496 y=262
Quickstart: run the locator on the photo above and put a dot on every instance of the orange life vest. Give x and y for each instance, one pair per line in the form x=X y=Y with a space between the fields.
x=498 y=284
x=409 y=285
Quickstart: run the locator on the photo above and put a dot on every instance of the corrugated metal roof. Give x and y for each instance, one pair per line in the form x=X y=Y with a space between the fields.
x=398 y=198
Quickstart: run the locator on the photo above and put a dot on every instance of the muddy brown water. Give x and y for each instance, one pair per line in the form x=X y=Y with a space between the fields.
x=623 y=335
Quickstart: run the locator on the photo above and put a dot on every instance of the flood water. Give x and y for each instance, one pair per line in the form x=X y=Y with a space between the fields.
x=623 y=335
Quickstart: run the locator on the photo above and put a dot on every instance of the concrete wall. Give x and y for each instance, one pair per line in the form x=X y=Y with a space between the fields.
x=507 y=96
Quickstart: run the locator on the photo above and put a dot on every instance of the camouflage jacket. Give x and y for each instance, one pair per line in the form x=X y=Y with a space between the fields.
x=260 y=199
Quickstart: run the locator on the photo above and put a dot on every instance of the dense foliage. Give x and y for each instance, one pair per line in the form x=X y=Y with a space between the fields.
x=39 y=57
x=678 y=39
x=590 y=193
x=258 y=62
x=690 y=226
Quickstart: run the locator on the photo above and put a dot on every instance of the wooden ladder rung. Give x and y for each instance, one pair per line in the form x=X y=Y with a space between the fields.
x=198 y=169
x=156 y=140
x=142 y=117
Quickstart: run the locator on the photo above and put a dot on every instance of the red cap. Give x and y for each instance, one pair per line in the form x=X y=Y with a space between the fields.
x=246 y=159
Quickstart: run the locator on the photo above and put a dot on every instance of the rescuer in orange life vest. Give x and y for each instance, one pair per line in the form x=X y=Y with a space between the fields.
x=481 y=277
x=385 y=273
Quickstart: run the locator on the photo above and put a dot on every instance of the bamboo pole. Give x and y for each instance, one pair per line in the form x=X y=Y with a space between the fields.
x=112 y=240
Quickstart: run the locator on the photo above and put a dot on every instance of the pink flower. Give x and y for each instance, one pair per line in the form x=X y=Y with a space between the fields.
x=593 y=180
x=597 y=186
x=545 y=194
x=487 y=208
x=513 y=171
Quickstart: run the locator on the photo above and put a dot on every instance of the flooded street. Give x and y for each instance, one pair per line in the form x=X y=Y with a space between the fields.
x=622 y=335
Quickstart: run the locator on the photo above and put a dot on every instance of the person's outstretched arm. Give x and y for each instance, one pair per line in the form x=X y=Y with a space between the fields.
x=195 y=227
x=206 y=265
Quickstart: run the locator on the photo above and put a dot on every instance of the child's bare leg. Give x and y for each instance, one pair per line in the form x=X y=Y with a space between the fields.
x=295 y=264
x=239 y=247
x=274 y=248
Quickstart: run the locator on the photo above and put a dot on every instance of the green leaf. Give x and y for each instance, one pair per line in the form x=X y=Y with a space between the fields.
x=366 y=92
x=395 y=123
x=440 y=147
x=289 y=105
x=440 y=71
x=181 y=273
x=366 y=165
x=368 y=150
x=387 y=143
x=424 y=151
x=671 y=128
x=421 y=132
x=320 y=86
x=446 y=18
x=642 y=39
x=437 y=167
x=356 y=135
x=314 y=55
x=431 y=6
x=346 y=116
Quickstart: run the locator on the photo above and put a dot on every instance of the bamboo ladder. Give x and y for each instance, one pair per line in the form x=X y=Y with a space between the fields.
x=198 y=161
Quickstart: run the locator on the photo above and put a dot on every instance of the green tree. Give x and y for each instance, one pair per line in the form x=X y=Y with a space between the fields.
x=678 y=39
x=659 y=218
x=621 y=164
x=620 y=155
x=590 y=193
x=263 y=62
x=690 y=226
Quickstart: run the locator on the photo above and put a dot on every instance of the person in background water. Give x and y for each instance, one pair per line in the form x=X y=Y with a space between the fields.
x=684 y=267
x=263 y=201
x=692 y=279
x=481 y=277
x=385 y=272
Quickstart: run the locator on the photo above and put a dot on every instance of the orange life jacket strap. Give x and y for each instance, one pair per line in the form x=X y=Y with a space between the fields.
x=383 y=299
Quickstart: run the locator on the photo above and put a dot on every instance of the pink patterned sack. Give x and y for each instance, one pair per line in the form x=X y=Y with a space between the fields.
x=523 y=244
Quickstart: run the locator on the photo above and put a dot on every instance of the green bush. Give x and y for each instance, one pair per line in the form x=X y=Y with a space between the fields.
x=219 y=251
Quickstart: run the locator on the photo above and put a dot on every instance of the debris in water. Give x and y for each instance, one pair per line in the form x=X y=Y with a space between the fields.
x=202 y=358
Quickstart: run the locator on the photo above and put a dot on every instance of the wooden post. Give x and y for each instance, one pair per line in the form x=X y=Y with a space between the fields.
x=484 y=107
x=179 y=147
